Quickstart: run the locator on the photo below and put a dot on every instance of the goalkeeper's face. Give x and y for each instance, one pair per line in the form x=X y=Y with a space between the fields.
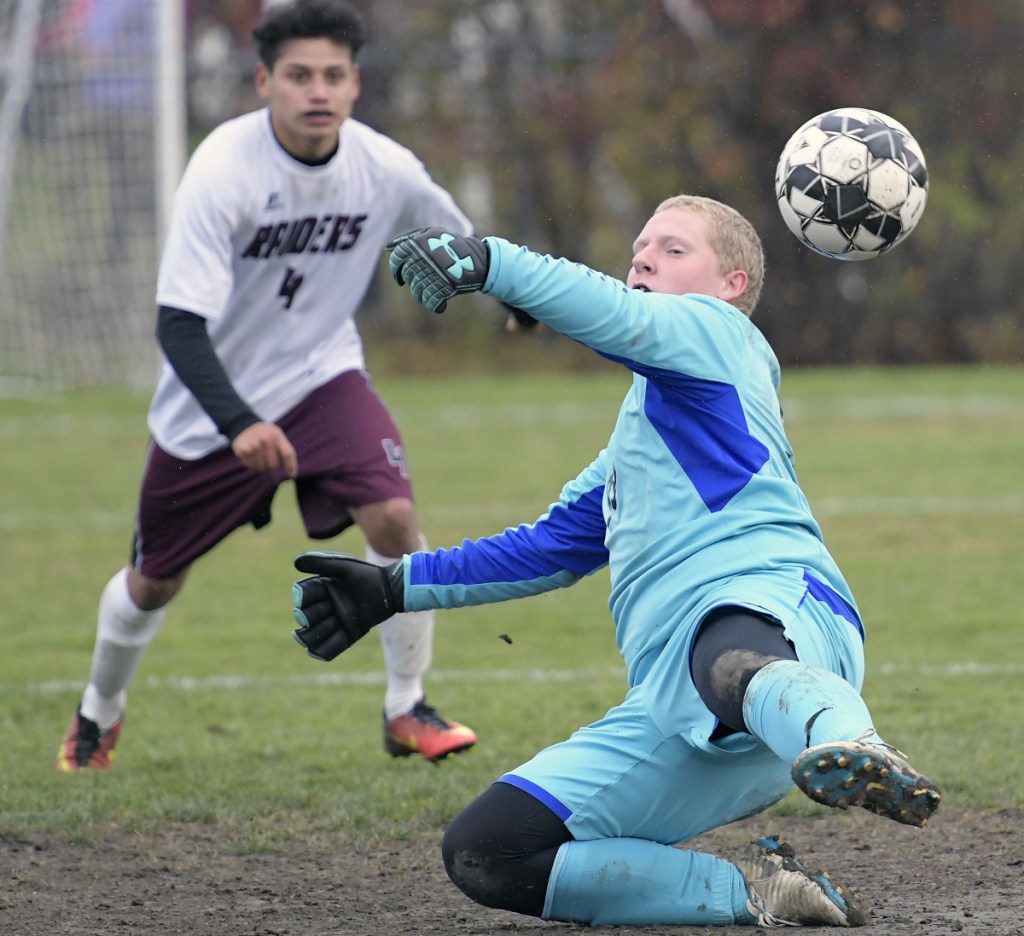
x=673 y=255
x=311 y=90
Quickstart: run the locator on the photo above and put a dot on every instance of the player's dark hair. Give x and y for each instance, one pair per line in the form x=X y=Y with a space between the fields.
x=308 y=19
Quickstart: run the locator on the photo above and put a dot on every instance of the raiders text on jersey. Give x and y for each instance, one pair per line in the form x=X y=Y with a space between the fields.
x=324 y=234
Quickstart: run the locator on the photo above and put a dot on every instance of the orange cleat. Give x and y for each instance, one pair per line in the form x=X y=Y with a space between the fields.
x=423 y=731
x=86 y=747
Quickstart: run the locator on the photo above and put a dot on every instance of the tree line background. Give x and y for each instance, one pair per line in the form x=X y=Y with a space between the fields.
x=562 y=123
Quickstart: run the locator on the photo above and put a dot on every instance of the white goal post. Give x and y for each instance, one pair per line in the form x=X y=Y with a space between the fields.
x=92 y=145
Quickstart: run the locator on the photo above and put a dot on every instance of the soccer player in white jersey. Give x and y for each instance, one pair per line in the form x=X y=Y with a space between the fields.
x=742 y=641
x=278 y=225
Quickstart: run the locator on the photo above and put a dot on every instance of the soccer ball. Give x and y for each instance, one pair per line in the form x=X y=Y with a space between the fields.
x=851 y=183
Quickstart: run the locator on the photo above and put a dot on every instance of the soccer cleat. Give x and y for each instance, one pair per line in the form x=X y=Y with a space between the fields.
x=85 y=746
x=423 y=731
x=781 y=892
x=873 y=776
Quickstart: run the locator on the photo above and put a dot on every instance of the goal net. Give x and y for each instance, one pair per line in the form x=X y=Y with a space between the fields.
x=91 y=145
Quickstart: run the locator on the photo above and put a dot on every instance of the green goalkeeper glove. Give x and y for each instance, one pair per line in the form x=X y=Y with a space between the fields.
x=438 y=265
x=343 y=601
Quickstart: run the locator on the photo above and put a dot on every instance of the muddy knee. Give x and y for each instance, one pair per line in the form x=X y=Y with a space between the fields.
x=732 y=646
x=500 y=850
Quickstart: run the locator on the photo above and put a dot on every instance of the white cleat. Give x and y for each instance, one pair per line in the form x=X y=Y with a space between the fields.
x=783 y=893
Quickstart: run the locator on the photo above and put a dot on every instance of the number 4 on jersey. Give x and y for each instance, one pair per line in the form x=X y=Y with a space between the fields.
x=290 y=286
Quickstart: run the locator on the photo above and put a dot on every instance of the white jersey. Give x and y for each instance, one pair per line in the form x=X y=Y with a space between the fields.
x=276 y=256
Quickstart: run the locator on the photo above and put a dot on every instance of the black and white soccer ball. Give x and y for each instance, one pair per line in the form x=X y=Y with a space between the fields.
x=851 y=183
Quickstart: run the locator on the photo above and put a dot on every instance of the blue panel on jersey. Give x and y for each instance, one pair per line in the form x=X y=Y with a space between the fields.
x=703 y=424
x=818 y=590
x=574 y=533
x=539 y=793
x=570 y=537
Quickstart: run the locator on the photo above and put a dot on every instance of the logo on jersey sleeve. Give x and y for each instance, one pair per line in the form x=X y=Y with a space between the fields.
x=311 y=235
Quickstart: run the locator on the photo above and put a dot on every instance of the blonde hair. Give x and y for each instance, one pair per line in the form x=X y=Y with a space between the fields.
x=733 y=239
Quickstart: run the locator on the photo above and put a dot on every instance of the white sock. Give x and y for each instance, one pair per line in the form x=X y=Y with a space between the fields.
x=123 y=634
x=407 y=641
x=106 y=712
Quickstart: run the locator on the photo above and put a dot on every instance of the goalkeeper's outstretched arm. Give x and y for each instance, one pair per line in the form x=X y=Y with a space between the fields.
x=345 y=598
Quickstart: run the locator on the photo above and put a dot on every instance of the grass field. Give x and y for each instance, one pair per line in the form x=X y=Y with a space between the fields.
x=917 y=478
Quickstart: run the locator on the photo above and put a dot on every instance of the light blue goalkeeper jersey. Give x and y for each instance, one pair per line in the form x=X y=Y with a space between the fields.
x=693 y=503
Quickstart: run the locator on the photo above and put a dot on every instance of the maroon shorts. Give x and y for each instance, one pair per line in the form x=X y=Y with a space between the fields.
x=350 y=454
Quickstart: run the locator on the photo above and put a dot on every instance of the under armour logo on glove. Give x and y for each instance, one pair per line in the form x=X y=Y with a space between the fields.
x=437 y=265
x=461 y=263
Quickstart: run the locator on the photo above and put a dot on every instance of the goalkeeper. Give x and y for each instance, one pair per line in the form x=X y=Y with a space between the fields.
x=742 y=641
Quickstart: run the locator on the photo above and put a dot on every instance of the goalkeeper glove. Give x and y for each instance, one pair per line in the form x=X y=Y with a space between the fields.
x=438 y=265
x=343 y=601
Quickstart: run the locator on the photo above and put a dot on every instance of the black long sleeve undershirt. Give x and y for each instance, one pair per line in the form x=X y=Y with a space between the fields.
x=187 y=346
